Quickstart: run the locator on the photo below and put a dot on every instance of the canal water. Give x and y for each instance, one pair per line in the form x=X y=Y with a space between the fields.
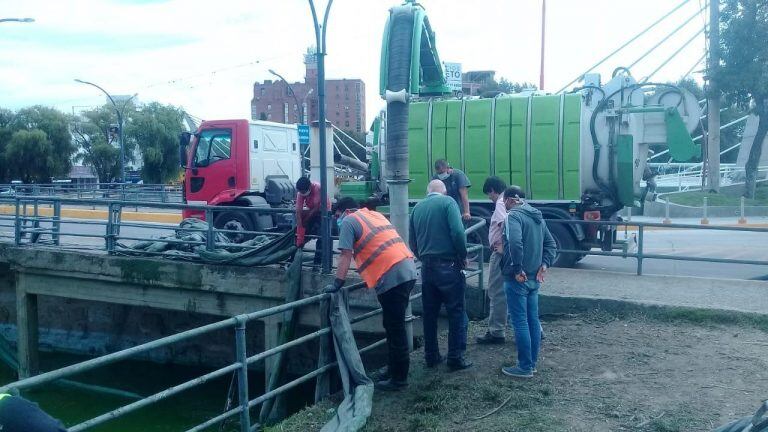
x=178 y=413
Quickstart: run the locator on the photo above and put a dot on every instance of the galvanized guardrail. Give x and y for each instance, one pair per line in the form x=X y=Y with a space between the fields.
x=120 y=191
x=640 y=255
x=241 y=362
x=239 y=366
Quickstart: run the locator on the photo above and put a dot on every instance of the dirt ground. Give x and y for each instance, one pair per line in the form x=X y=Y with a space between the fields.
x=597 y=373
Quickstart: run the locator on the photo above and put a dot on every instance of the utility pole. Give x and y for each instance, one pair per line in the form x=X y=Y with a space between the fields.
x=325 y=214
x=713 y=99
x=543 y=33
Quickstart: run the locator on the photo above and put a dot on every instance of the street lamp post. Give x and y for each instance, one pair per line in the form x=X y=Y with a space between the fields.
x=21 y=20
x=325 y=232
x=293 y=94
x=119 y=112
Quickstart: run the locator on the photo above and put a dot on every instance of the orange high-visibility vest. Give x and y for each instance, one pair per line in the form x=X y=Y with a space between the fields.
x=379 y=248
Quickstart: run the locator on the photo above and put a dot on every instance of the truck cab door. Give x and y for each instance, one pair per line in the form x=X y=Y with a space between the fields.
x=213 y=172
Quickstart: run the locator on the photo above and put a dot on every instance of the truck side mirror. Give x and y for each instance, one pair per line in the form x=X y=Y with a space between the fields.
x=184 y=139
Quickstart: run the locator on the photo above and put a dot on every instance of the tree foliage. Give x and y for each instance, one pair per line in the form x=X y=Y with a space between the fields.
x=743 y=72
x=155 y=129
x=55 y=144
x=32 y=154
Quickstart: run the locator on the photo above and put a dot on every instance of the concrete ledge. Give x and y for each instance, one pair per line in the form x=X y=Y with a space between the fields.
x=570 y=290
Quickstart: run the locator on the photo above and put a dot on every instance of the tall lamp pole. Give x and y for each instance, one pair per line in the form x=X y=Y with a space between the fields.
x=325 y=231
x=21 y=20
x=293 y=94
x=119 y=111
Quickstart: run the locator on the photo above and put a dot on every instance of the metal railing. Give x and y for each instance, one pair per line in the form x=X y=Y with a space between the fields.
x=640 y=255
x=106 y=191
x=240 y=364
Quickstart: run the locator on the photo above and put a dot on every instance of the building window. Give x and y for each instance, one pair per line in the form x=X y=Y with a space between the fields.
x=262 y=91
x=346 y=114
x=269 y=116
x=346 y=107
x=269 y=107
x=346 y=123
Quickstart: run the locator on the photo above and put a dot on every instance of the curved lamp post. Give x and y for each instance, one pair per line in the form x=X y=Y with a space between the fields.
x=299 y=108
x=21 y=20
x=119 y=111
x=325 y=227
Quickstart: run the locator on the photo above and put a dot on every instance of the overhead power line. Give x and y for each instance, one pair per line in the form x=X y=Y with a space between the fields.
x=637 y=36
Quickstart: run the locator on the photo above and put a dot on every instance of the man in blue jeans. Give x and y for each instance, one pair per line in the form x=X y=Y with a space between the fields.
x=438 y=240
x=529 y=250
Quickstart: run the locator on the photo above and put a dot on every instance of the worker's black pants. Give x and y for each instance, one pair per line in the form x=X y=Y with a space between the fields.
x=393 y=304
x=313 y=228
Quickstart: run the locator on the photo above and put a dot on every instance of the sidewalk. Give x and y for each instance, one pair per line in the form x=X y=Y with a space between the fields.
x=87 y=212
x=581 y=289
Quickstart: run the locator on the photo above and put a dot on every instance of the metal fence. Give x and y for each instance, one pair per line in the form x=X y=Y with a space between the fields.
x=239 y=366
x=105 y=191
x=641 y=227
x=242 y=360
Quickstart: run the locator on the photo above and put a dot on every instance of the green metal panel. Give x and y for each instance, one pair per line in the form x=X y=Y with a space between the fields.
x=453 y=133
x=359 y=190
x=625 y=170
x=502 y=139
x=545 y=115
x=418 y=160
x=517 y=136
x=572 y=148
x=439 y=125
x=679 y=141
x=477 y=144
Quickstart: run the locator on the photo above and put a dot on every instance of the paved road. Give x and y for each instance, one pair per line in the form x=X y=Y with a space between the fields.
x=720 y=244
x=697 y=243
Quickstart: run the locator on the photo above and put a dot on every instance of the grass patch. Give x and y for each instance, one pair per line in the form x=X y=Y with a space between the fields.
x=696 y=198
x=311 y=418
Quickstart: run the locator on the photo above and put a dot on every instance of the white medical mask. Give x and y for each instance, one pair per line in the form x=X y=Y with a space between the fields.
x=444 y=175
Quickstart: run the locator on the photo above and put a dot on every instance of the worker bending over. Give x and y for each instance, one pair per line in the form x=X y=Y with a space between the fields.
x=308 y=220
x=386 y=264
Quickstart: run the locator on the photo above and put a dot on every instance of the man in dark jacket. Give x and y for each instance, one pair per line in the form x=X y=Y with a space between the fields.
x=529 y=250
x=437 y=239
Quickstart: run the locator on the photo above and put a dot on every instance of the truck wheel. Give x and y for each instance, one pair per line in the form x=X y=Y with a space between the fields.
x=234 y=221
x=564 y=240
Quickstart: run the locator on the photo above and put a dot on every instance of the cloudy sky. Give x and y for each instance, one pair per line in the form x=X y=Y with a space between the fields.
x=206 y=55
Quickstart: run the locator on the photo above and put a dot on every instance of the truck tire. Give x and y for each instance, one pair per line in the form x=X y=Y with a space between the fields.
x=564 y=240
x=234 y=221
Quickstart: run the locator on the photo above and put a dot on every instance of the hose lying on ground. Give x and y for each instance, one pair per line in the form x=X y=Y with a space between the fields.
x=756 y=423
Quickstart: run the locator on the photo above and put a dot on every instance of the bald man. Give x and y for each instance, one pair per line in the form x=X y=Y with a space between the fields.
x=437 y=239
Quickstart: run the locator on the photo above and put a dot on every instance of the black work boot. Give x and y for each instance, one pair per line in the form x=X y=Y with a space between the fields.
x=489 y=339
x=391 y=385
x=458 y=364
x=434 y=362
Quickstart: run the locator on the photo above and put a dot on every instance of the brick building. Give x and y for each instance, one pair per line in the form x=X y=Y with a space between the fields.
x=344 y=100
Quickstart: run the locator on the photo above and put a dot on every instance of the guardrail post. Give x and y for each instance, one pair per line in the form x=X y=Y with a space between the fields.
x=324 y=356
x=113 y=226
x=640 y=250
x=666 y=220
x=242 y=375
x=210 y=240
x=629 y=214
x=17 y=227
x=56 y=223
x=704 y=209
x=742 y=214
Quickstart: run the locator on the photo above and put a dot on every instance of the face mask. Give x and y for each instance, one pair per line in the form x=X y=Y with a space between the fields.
x=443 y=176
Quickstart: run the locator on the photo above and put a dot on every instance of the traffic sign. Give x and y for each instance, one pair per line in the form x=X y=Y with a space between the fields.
x=303 y=134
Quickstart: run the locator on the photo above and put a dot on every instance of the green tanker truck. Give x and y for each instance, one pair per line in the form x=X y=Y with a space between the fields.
x=578 y=156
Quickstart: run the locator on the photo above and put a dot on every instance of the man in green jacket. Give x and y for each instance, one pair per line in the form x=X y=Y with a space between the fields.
x=437 y=239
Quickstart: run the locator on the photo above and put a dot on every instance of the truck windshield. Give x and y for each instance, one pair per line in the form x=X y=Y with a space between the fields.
x=213 y=145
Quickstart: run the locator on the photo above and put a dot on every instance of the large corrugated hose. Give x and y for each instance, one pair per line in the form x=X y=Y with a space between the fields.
x=398 y=76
